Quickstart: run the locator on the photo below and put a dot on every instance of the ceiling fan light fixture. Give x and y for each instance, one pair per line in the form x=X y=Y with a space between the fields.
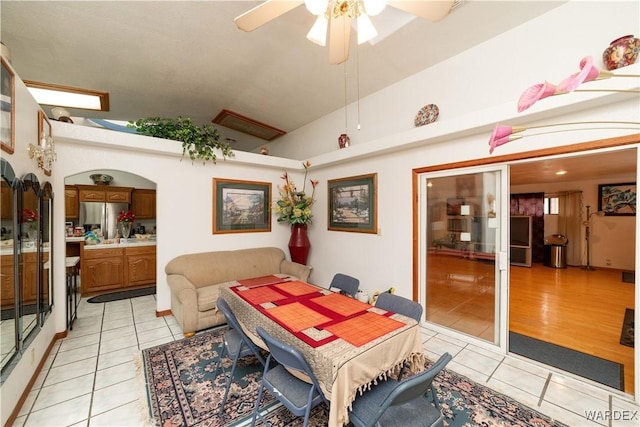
x=366 y=30
x=374 y=7
x=318 y=33
x=316 y=7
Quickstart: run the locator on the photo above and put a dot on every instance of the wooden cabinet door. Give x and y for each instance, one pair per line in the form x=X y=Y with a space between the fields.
x=7 y=293
x=30 y=277
x=118 y=196
x=92 y=195
x=140 y=268
x=102 y=269
x=6 y=203
x=71 y=202
x=143 y=203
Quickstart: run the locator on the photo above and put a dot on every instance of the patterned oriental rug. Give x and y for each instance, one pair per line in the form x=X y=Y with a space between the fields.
x=182 y=391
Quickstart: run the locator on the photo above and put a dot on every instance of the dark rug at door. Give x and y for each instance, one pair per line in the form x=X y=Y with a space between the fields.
x=182 y=391
x=10 y=313
x=628 y=327
x=594 y=368
x=115 y=296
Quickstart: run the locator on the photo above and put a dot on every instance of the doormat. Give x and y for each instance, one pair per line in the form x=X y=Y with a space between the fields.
x=629 y=276
x=585 y=365
x=115 y=296
x=628 y=327
x=10 y=313
x=182 y=391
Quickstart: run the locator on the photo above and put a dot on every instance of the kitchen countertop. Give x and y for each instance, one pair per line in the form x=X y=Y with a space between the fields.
x=130 y=243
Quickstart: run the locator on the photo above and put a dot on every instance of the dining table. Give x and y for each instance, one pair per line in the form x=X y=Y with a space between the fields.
x=349 y=344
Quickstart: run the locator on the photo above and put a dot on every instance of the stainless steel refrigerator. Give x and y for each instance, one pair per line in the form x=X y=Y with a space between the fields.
x=102 y=215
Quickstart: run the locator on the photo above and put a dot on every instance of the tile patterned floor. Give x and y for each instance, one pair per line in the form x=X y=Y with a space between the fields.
x=90 y=376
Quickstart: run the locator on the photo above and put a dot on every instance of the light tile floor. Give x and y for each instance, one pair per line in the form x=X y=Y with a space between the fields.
x=90 y=378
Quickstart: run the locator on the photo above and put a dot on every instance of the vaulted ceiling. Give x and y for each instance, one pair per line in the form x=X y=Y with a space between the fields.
x=187 y=58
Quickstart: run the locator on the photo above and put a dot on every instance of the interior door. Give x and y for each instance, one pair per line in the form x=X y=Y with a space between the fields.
x=463 y=251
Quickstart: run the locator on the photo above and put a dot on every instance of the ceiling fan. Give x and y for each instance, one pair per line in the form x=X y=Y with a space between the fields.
x=336 y=16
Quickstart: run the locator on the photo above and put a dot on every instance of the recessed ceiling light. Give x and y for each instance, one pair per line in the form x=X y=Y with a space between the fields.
x=561 y=172
x=65 y=96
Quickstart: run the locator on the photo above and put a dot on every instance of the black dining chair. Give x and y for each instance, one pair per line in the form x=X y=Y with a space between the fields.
x=347 y=284
x=236 y=346
x=398 y=304
x=401 y=403
x=297 y=395
x=402 y=305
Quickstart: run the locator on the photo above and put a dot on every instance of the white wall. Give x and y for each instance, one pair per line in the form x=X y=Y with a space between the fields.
x=26 y=131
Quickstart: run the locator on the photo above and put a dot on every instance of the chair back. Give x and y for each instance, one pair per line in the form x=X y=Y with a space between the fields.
x=289 y=357
x=233 y=322
x=398 y=304
x=347 y=283
x=416 y=385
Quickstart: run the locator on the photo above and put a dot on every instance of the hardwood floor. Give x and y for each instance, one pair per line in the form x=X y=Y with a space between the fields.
x=578 y=309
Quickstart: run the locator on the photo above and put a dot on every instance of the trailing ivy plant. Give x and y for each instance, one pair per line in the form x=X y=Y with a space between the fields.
x=199 y=142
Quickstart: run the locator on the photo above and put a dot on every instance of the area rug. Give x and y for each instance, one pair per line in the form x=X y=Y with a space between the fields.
x=628 y=328
x=115 y=296
x=183 y=391
x=585 y=365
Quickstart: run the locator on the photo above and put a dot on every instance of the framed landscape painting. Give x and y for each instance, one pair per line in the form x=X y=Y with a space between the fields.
x=241 y=206
x=617 y=199
x=7 y=109
x=353 y=204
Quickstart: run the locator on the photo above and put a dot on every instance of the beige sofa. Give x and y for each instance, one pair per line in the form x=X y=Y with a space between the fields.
x=194 y=280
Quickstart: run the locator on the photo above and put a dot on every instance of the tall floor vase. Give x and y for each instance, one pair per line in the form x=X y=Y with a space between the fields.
x=299 y=244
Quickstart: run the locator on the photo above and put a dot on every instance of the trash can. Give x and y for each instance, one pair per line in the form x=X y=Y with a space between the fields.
x=555 y=251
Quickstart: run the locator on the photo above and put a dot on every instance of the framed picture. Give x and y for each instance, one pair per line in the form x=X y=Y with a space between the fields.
x=617 y=199
x=353 y=204
x=453 y=205
x=241 y=206
x=44 y=132
x=7 y=110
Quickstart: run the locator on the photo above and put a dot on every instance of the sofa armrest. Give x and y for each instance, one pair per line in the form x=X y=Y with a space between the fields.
x=183 y=289
x=291 y=268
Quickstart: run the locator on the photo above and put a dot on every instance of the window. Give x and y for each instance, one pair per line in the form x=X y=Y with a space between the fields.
x=551 y=206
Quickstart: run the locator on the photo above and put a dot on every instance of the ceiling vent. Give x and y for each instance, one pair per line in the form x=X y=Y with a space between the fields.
x=243 y=124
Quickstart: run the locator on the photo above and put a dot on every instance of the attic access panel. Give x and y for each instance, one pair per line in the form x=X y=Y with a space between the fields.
x=243 y=124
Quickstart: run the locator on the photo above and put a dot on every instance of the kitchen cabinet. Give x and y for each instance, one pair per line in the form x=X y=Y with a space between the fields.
x=104 y=193
x=102 y=269
x=143 y=203
x=71 y=203
x=6 y=281
x=140 y=265
x=6 y=203
x=30 y=270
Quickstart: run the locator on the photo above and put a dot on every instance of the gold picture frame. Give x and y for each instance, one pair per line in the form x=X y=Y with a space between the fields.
x=241 y=206
x=7 y=108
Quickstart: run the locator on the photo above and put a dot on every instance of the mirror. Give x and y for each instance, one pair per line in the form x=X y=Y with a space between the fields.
x=8 y=297
x=46 y=270
x=28 y=257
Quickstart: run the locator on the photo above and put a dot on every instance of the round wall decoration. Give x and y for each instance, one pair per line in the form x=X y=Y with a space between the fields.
x=427 y=114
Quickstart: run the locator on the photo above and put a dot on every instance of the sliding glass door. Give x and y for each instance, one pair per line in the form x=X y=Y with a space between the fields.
x=463 y=254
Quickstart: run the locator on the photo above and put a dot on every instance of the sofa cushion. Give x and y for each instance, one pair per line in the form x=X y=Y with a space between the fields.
x=207 y=297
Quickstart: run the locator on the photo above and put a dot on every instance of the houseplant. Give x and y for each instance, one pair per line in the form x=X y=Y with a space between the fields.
x=30 y=218
x=199 y=142
x=294 y=207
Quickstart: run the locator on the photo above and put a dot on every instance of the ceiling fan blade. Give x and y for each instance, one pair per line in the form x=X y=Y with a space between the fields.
x=433 y=10
x=339 y=35
x=265 y=12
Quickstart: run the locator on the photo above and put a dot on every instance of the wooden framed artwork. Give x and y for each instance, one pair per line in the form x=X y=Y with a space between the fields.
x=241 y=206
x=44 y=137
x=353 y=204
x=617 y=199
x=7 y=108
